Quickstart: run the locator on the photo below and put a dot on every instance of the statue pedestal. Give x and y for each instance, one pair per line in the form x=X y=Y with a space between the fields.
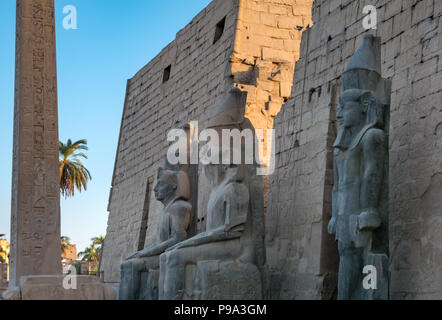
x=51 y=288
x=229 y=280
x=149 y=285
x=381 y=264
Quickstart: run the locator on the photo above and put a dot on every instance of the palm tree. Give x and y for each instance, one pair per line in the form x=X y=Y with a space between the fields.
x=65 y=244
x=92 y=254
x=4 y=252
x=72 y=172
x=2 y=255
x=89 y=254
x=98 y=241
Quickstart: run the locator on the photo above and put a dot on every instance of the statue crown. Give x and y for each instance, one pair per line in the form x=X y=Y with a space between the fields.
x=363 y=70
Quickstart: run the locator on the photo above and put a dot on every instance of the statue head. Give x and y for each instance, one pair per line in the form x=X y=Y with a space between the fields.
x=358 y=108
x=171 y=185
x=364 y=101
x=362 y=85
x=228 y=116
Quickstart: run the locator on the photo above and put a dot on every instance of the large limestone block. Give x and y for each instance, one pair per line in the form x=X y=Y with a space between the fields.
x=51 y=288
x=231 y=280
x=149 y=285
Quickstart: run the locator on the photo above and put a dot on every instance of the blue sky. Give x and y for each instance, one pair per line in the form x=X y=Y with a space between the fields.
x=115 y=38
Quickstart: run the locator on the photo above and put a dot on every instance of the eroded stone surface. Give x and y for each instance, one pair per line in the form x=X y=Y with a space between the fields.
x=230 y=280
x=35 y=223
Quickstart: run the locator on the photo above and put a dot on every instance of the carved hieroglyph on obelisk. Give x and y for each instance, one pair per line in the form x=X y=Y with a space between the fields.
x=35 y=217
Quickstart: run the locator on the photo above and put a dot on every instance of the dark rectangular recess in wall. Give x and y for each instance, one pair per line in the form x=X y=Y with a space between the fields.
x=166 y=74
x=219 y=30
x=145 y=217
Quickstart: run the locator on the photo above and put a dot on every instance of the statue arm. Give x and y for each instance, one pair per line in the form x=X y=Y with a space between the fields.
x=236 y=209
x=155 y=249
x=180 y=216
x=146 y=252
x=374 y=153
x=207 y=237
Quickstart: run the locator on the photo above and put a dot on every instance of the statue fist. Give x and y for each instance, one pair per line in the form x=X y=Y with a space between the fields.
x=369 y=220
x=332 y=226
x=134 y=256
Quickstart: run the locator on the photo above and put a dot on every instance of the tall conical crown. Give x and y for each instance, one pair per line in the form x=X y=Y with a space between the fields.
x=364 y=67
x=231 y=111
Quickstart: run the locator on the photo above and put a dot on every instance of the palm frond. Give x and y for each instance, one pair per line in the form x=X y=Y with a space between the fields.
x=73 y=174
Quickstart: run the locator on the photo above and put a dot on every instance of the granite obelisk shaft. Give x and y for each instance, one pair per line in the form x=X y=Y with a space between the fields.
x=35 y=216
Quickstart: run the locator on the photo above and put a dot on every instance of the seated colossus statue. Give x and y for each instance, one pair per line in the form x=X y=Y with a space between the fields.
x=226 y=260
x=140 y=272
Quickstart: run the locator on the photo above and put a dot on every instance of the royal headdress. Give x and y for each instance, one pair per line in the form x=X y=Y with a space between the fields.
x=363 y=70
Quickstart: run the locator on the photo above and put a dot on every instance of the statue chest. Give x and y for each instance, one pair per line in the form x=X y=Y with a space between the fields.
x=349 y=166
x=165 y=226
x=216 y=209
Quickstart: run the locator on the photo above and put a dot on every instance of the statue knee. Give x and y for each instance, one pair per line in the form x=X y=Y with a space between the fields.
x=125 y=265
x=173 y=258
x=163 y=259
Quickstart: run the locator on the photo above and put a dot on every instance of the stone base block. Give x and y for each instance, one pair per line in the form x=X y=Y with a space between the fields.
x=61 y=288
x=231 y=280
x=149 y=285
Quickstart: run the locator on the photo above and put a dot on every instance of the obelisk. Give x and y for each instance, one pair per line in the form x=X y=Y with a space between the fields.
x=35 y=216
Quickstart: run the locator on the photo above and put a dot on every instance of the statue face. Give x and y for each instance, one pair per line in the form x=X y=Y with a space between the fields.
x=166 y=186
x=349 y=113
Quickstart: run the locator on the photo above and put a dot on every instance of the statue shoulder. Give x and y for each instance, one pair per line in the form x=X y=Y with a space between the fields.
x=374 y=137
x=237 y=190
x=180 y=206
x=236 y=187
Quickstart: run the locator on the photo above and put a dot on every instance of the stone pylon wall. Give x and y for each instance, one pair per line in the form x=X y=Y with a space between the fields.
x=256 y=52
x=302 y=257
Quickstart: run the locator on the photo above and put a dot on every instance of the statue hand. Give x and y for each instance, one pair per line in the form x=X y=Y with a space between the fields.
x=134 y=256
x=177 y=246
x=369 y=220
x=332 y=226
